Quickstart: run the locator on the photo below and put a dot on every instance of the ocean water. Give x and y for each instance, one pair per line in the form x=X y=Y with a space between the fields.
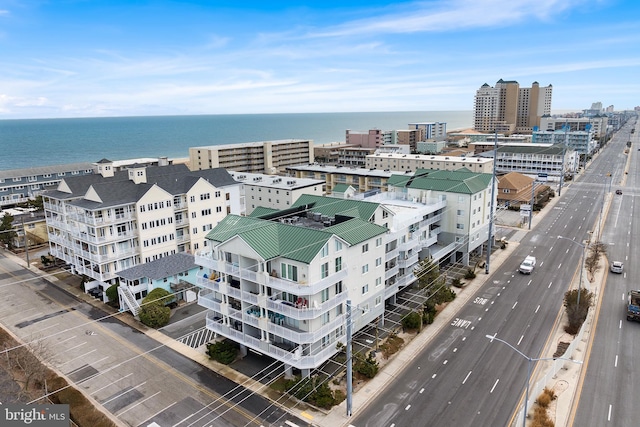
x=44 y=142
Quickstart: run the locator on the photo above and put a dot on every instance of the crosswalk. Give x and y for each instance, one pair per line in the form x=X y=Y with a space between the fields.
x=197 y=338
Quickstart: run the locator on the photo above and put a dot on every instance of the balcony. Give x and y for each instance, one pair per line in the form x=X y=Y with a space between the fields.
x=300 y=337
x=102 y=220
x=390 y=272
x=293 y=357
x=289 y=310
x=204 y=259
x=408 y=261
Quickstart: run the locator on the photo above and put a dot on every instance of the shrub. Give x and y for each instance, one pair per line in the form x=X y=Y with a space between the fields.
x=224 y=351
x=411 y=321
x=457 y=282
x=470 y=274
x=367 y=367
x=544 y=400
x=154 y=315
x=158 y=295
x=112 y=295
x=314 y=391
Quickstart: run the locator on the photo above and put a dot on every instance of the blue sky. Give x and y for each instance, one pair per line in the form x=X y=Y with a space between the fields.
x=85 y=58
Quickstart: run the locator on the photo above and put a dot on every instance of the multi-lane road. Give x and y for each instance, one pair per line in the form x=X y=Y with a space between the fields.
x=609 y=395
x=461 y=378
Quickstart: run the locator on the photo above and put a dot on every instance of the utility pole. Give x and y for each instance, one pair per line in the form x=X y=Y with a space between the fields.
x=26 y=241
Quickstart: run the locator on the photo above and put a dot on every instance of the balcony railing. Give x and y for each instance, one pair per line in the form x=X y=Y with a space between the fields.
x=283 y=307
x=293 y=357
x=262 y=278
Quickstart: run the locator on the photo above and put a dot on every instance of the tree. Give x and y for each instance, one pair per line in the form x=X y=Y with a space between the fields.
x=158 y=295
x=598 y=248
x=154 y=315
x=153 y=311
x=428 y=274
x=7 y=233
x=577 y=314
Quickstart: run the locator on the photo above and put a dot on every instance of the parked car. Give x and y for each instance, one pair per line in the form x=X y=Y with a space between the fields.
x=616 y=267
x=618 y=191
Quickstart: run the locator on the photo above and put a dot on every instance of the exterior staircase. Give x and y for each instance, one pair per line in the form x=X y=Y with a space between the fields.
x=129 y=299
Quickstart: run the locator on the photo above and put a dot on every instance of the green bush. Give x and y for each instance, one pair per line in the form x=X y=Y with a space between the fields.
x=367 y=367
x=313 y=391
x=457 y=282
x=112 y=295
x=154 y=315
x=158 y=295
x=411 y=321
x=470 y=274
x=224 y=351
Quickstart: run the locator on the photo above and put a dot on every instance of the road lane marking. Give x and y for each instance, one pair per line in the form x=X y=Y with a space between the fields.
x=466 y=378
x=537 y=308
x=520 y=340
x=514 y=305
x=615 y=365
x=494 y=386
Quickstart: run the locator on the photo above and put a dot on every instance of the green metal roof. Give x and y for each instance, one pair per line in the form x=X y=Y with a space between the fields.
x=261 y=210
x=356 y=231
x=340 y=188
x=272 y=239
x=332 y=206
x=459 y=181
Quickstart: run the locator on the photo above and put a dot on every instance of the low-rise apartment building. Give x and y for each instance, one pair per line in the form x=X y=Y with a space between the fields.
x=270 y=157
x=547 y=161
x=104 y=223
x=412 y=162
x=272 y=191
x=596 y=124
x=278 y=283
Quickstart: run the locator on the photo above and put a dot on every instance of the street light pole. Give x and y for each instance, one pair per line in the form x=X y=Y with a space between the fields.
x=529 y=360
x=581 y=266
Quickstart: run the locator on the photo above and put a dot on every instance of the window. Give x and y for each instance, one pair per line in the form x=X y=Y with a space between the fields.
x=365 y=309
x=338 y=264
x=378 y=242
x=192 y=199
x=206 y=212
x=218 y=209
x=289 y=271
x=365 y=268
x=378 y=262
x=324 y=270
x=338 y=287
x=217 y=194
x=378 y=300
x=365 y=289
x=378 y=281
x=365 y=248
x=205 y=196
x=324 y=294
x=193 y=214
x=338 y=245
x=325 y=251
x=326 y=318
x=460 y=226
x=460 y=212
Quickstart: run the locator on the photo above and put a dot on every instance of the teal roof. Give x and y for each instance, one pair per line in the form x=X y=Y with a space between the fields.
x=460 y=181
x=332 y=206
x=272 y=239
x=261 y=210
x=340 y=188
x=356 y=231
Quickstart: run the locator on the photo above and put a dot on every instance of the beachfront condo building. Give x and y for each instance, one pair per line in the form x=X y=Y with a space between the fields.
x=112 y=220
x=278 y=282
x=269 y=157
x=508 y=108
